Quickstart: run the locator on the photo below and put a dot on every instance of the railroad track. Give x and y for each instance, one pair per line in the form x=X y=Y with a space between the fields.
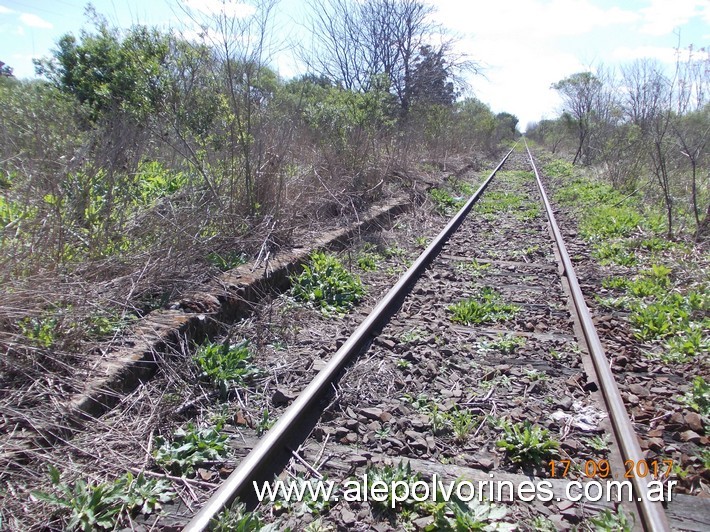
x=418 y=383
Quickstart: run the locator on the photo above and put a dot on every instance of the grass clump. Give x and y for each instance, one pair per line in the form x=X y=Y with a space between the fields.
x=326 y=284
x=475 y=268
x=487 y=307
x=238 y=518
x=390 y=475
x=457 y=515
x=527 y=443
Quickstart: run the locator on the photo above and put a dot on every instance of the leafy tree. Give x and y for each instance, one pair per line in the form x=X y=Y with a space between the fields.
x=5 y=70
x=430 y=80
x=110 y=72
x=580 y=93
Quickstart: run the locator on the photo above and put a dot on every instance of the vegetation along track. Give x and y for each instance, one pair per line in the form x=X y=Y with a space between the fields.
x=477 y=371
x=485 y=367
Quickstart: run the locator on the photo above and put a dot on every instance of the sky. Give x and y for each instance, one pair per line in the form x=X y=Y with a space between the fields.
x=522 y=46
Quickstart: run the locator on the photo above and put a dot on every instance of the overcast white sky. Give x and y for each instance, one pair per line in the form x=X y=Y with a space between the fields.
x=524 y=45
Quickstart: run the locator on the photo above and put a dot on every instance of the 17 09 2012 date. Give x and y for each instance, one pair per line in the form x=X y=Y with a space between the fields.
x=602 y=468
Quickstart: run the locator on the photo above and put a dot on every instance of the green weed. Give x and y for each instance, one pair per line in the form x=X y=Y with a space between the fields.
x=462 y=423
x=599 y=443
x=189 y=448
x=264 y=423
x=237 y=518
x=401 y=473
x=698 y=397
x=613 y=252
x=505 y=343
x=444 y=202
x=226 y=261
x=326 y=284
x=475 y=268
x=415 y=334
x=487 y=307
x=613 y=521
x=527 y=443
x=40 y=331
x=91 y=505
x=458 y=516
x=225 y=365
x=559 y=168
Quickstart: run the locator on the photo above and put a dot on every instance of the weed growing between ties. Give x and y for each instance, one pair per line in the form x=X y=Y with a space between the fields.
x=325 y=284
x=526 y=443
x=487 y=307
x=238 y=518
x=616 y=520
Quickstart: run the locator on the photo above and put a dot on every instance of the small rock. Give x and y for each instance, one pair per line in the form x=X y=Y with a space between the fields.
x=373 y=413
x=570 y=445
x=694 y=421
x=357 y=460
x=676 y=419
x=349 y=438
x=621 y=361
x=282 y=396
x=632 y=399
x=387 y=343
x=385 y=417
x=318 y=364
x=396 y=443
x=565 y=403
x=347 y=517
x=690 y=436
x=423 y=522
x=486 y=463
x=639 y=390
x=655 y=444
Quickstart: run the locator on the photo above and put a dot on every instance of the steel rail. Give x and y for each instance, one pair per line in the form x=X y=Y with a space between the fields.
x=652 y=514
x=240 y=479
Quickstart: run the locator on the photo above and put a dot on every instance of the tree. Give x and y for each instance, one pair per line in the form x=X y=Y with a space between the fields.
x=356 y=41
x=110 y=72
x=580 y=93
x=506 y=127
x=5 y=70
x=430 y=81
x=692 y=127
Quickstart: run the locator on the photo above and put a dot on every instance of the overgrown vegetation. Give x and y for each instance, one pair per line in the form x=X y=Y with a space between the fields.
x=647 y=133
x=666 y=312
